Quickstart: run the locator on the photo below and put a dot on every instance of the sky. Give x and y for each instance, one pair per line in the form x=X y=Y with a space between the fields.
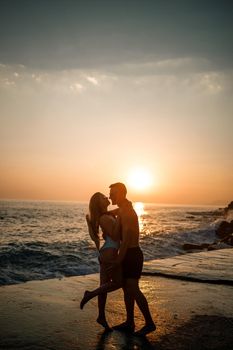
x=90 y=90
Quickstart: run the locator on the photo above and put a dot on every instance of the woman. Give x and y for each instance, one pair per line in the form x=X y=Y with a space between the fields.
x=110 y=279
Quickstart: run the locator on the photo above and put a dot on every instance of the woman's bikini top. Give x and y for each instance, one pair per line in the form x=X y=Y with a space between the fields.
x=109 y=242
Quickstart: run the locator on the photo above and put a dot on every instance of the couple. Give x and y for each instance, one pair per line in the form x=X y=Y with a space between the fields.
x=120 y=257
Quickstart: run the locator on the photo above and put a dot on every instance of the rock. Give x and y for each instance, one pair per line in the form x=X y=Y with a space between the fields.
x=225 y=228
x=189 y=246
x=228 y=208
x=224 y=232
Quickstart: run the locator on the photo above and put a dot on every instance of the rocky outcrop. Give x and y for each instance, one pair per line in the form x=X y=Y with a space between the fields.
x=224 y=229
x=228 y=209
x=190 y=246
x=225 y=212
x=224 y=232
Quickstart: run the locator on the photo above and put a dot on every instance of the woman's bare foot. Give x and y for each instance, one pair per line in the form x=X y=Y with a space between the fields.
x=85 y=299
x=148 y=328
x=103 y=323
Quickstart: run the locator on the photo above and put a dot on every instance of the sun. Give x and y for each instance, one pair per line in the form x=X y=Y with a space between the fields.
x=139 y=179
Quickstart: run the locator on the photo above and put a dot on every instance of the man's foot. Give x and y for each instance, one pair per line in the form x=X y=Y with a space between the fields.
x=104 y=324
x=125 y=327
x=148 y=328
x=85 y=299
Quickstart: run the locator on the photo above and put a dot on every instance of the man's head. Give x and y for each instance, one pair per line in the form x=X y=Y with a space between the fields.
x=118 y=193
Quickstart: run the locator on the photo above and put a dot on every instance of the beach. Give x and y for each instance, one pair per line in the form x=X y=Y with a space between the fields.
x=188 y=314
x=116 y=149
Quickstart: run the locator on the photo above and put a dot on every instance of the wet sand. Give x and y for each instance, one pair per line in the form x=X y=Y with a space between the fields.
x=46 y=315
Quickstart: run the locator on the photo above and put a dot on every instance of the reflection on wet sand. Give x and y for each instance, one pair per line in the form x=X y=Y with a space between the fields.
x=120 y=340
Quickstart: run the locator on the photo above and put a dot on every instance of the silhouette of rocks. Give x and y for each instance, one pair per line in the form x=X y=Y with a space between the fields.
x=223 y=211
x=225 y=232
x=224 y=229
x=228 y=208
x=190 y=246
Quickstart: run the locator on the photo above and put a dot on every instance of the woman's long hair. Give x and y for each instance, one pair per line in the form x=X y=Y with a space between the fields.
x=95 y=212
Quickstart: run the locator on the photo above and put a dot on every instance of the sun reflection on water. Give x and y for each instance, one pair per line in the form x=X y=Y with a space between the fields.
x=140 y=210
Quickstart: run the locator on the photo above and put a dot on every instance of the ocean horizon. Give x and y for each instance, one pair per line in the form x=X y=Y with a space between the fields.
x=49 y=239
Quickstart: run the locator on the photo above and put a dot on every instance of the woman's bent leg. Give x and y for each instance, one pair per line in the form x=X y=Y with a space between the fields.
x=102 y=298
x=109 y=281
x=102 y=290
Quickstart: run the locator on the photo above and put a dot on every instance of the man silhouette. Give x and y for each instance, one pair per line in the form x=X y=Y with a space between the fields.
x=130 y=257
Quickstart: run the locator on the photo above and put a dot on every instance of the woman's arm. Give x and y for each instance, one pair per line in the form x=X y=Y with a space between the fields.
x=93 y=236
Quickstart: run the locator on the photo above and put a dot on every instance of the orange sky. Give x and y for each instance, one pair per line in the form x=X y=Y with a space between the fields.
x=80 y=108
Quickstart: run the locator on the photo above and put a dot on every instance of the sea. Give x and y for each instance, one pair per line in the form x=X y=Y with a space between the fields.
x=42 y=239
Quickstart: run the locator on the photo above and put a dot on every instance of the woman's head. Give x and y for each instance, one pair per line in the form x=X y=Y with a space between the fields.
x=97 y=206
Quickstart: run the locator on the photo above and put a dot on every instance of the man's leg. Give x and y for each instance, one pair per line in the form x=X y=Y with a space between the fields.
x=129 y=303
x=143 y=306
x=129 y=300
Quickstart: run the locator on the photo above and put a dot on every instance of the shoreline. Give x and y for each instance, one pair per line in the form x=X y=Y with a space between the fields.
x=192 y=267
x=189 y=315
x=189 y=278
x=46 y=314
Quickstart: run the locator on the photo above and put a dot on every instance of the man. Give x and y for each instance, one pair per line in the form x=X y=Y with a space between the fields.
x=131 y=258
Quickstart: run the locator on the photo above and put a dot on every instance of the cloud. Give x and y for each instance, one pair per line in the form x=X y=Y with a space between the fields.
x=149 y=77
x=8 y=82
x=37 y=78
x=93 y=80
x=171 y=66
x=77 y=87
x=212 y=83
x=73 y=35
x=61 y=81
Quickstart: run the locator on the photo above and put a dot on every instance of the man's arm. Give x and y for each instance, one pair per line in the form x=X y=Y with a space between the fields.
x=126 y=224
x=113 y=212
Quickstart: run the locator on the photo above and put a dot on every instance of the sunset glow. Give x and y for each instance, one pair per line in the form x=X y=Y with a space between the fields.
x=139 y=179
x=116 y=92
